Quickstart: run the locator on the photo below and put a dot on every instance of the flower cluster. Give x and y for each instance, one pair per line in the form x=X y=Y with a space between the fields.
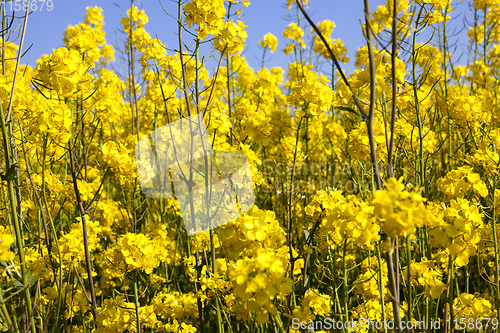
x=207 y=15
x=269 y=41
x=377 y=198
x=398 y=210
x=64 y=72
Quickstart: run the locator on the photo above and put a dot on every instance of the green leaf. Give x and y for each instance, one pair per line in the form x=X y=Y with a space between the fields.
x=9 y=175
x=30 y=280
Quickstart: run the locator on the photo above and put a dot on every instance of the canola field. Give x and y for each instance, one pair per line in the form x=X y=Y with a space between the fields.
x=189 y=192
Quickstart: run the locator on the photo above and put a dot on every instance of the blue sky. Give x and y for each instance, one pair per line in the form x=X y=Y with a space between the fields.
x=46 y=28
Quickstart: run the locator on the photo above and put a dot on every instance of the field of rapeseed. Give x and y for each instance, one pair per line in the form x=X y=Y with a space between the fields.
x=349 y=202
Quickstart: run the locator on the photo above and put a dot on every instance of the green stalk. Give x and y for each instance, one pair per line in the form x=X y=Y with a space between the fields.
x=88 y=261
x=10 y=176
x=345 y=288
x=369 y=123
x=56 y=240
x=448 y=311
x=446 y=90
x=208 y=173
x=279 y=323
x=6 y=314
x=495 y=239
x=136 y=299
x=408 y=283
x=14 y=319
x=421 y=160
x=191 y=169
x=390 y=149
x=393 y=288
x=380 y=285
x=290 y=209
x=229 y=85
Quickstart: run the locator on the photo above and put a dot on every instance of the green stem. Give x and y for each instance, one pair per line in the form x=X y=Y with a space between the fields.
x=136 y=298
x=495 y=239
x=369 y=123
x=381 y=285
x=408 y=283
x=345 y=287
x=10 y=178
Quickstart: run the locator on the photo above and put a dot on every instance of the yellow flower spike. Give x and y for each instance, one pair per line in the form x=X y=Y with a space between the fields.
x=208 y=15
x=398 y=210
x=64 y=72
x=294 y=32
x=231 y=37
x=269 y=41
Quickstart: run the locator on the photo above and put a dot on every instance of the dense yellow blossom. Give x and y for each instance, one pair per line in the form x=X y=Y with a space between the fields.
x=85 y=247
x=269 y=41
